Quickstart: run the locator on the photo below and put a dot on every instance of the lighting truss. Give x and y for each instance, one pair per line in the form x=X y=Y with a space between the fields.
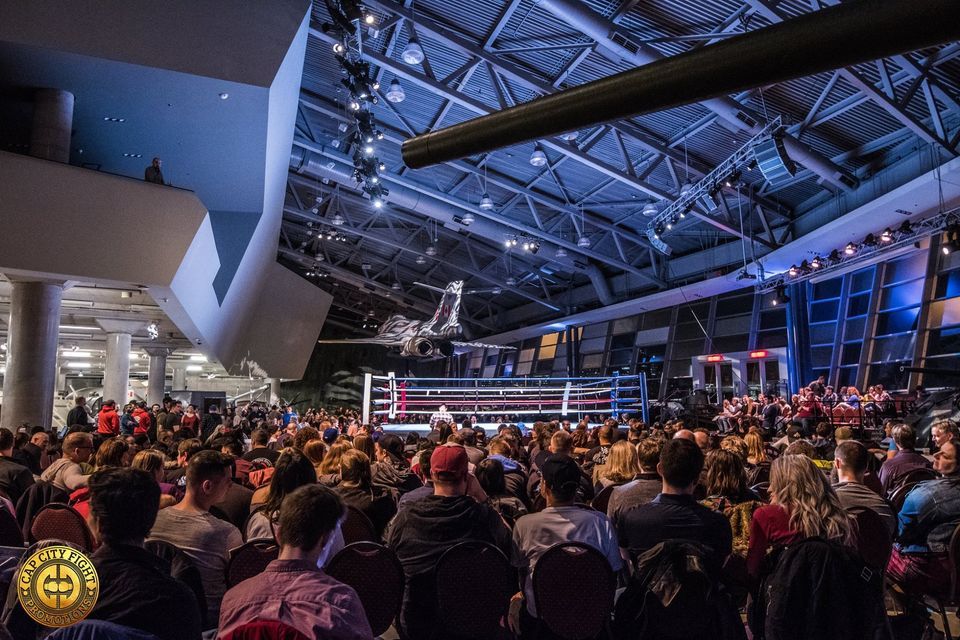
x=868 y=248
x=708 y=187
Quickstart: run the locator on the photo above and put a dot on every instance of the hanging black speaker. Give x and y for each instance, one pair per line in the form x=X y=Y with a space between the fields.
x=773 y=161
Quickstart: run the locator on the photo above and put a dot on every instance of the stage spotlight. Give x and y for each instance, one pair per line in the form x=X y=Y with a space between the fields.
x=906 y=228
x=951 y=240
x=816 y=263
x=850 y=249
x=870 y=240
x=793 y=272
x=886 y=235
x=780 y=297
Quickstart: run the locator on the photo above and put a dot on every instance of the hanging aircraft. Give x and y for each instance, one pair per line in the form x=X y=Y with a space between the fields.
x=427 y=339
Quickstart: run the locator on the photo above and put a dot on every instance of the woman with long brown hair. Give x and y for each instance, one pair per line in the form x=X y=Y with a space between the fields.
x=357 y=490
x=803 y=505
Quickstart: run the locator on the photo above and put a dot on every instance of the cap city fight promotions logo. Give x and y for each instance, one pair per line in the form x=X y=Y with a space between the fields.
x=58 y=586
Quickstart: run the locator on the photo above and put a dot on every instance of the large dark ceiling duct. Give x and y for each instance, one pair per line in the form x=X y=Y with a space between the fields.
x=847 y=34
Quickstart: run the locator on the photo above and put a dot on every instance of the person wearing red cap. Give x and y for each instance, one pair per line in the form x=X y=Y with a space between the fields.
x=421 y=532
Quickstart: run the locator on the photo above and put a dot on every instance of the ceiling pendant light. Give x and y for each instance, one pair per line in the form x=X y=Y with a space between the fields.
x=561 y=252
x=538 y=158
x=468 y=218
x=570 y=136
x=337 y=220
x=421 y=260
x=583 y=242
x=511 y=281
x=650 y=209
x=486 y=202
x=395 y=93
x=686 y=189
x=413 y=52
x=395 y=286
x=431 y=250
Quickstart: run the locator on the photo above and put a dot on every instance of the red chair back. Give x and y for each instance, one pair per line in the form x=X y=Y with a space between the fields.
x=250 y=559
x=264 y=630
x=493 y=582
x=602 y=499
x=587 y=614
x=376 y=575
x=356 y=527
x=898 y=497
x=58 y=521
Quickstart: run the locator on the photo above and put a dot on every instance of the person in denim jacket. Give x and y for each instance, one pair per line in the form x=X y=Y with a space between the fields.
x=929 y=516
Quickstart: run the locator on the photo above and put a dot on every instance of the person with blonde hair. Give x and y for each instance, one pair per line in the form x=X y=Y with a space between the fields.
x=755 y=451
x=315 y=451
x=621 y=467
x=736 y=445
x=329 y=471
x=802 y=505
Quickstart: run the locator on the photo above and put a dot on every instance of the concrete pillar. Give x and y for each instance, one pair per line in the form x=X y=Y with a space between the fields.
x=116 y=370
x=33 y=329
x=179 y=376
x=157 y=376
x=52 y=124
x=274 y=390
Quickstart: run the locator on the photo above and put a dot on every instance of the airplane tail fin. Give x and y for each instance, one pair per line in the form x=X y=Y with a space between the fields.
x=446 y=320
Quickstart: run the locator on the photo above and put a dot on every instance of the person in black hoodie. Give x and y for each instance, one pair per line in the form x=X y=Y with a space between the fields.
x=422 y=531
x=392 y=470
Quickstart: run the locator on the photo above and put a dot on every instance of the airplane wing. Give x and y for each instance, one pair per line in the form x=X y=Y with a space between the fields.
x=386 y=342
x=481 y=345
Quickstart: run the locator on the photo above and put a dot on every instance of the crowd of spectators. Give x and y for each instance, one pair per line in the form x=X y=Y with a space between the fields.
x=739 y=496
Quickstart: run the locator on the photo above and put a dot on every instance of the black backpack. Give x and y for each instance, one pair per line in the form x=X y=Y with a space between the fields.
x=818 y=589
x=676 y=593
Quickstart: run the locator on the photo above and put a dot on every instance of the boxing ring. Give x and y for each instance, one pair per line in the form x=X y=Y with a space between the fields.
x=406 y=404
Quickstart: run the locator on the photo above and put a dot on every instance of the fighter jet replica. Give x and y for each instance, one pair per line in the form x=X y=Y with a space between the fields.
x=427 y=339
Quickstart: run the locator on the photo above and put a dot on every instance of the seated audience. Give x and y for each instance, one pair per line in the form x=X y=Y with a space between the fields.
x=560 y=521
x=30 y=454
x=260 y=454
x=135 y=591
x=674 y=513
x=620 y=468
x=66 y=473
x=15 y=478
x=292 y=470
x=422 y=531
x=642 y=489
x=514 y=474
x=850 y=463
x=943 y=431
x=906 y=459
x=802 y=505
x=727 y=493
x=190 y=526
x=293 y=589
x=926 y=523
x=490 y=475
x=357 y=490
x=423 y=461
x=393 y=471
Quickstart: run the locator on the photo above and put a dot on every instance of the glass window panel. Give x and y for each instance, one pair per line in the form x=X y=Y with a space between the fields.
x=548 y=352
x=476 y=359
x=772 y=339
x=855 y=328
x=622 y=341
x=897 y=321
x=530 y=343
x=625 y=325
x=847 y=376
x=889 y=375
x=593 y=345
x=907 y=268
x=862 y=280
x=490 y=372
x=773 y=319
x=690 y=312
x=821 y=356
x=523 y=368
x=544 y=367
x=772 y=368
x=734 y=305
x=948 y=285
x=687 y=349
x=944 y=313
x=827 y=289
x=679 y=369
x=657 y=319
x=824 y=311
x=894 y=348
x=621 y=357
x=901 y=295
x=688 y=330
x=943 y=342
x=653 y=351
x=526 y=355
x=595 y=330
x=859 y=305
x=850 y=354
x=730 y=343
x=822 y=333
x=592 y=361
x=944 y=362
x=492 y=359
x=753 y=373
x=548 y=339
x=949 y=262
x=727 y=326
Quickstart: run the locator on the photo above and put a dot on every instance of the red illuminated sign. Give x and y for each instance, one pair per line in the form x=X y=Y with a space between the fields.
x=715 y=358
x=758 y=354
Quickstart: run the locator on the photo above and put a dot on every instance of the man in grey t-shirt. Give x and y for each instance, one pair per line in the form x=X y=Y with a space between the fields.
x=642 y=489
x=191 y=527
x=850 y=462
